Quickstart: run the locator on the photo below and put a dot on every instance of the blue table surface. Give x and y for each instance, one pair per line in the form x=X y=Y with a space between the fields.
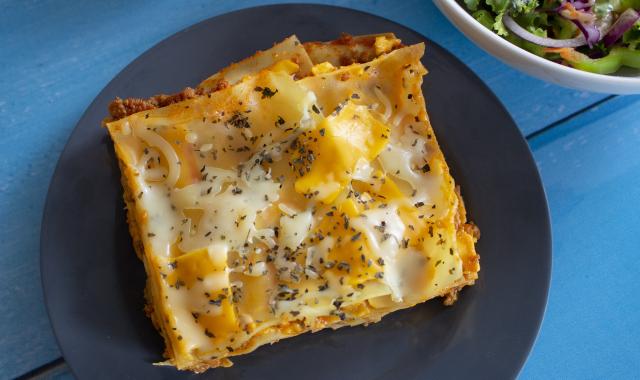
x=56 y=56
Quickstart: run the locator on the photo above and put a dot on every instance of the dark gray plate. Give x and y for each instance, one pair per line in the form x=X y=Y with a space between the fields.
x=93 y=281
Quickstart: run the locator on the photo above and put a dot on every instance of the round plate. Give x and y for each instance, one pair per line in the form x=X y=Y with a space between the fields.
x=94 y=282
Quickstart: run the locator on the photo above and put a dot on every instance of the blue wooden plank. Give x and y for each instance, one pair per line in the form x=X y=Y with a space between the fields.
x=56 y=56
x=590 y=168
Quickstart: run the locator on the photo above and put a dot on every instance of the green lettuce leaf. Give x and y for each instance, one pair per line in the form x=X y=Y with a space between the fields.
x=524 y=7
x=472 y=5
x=535 y=22
x=499 y=27
x=562 y=28
x=632 y=36
x=498 y=6
x=484 y=17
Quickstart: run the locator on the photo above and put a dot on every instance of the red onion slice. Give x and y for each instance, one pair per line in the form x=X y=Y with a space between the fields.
x=542 y=41
x=624 y=22
x=591 y=32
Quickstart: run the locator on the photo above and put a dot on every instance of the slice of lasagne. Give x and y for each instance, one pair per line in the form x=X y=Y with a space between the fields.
x=300 y=189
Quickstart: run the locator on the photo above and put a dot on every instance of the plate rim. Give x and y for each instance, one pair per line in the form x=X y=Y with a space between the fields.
x=46 y=214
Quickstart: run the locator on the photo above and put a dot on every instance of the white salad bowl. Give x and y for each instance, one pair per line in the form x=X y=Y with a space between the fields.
x=626 y=82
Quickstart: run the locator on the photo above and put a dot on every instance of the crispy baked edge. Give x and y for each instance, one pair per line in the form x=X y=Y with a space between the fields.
x=348 y=49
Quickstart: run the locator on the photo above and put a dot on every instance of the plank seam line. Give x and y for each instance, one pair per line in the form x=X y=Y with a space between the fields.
x=44 y=370
x=569 y=117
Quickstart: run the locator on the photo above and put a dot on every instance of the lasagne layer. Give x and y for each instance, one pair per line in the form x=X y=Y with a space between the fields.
x=297 y=196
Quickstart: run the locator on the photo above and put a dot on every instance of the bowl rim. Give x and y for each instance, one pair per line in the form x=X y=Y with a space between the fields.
x=504 y=45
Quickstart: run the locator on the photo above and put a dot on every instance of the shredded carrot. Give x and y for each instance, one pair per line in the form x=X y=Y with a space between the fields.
x=568 y=54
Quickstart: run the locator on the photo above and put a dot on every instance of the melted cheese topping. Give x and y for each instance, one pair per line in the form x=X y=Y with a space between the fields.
x=277 y=206
x=327 y=157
